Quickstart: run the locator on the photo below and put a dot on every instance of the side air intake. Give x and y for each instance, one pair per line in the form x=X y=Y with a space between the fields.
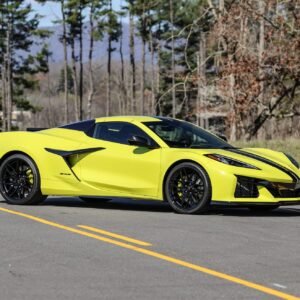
x=246 y=188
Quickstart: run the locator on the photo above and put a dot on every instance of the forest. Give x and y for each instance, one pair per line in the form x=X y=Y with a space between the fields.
x=231 y=66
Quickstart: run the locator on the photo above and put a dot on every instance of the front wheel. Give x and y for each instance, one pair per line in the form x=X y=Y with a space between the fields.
x=188 y=189
x=20 y=180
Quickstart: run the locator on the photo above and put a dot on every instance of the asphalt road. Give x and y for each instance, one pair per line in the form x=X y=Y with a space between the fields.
x=225 y=254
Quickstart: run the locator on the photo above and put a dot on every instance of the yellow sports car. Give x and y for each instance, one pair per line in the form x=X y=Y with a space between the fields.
x=147 y=158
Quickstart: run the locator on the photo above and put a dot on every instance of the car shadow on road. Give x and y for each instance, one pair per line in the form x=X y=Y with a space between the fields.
x=157 y=206
x=245 y=212
x=162 y=207
x=114 y=204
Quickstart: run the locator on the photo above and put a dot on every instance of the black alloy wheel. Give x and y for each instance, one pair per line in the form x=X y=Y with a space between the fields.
x=188 y=189
x=20 y=180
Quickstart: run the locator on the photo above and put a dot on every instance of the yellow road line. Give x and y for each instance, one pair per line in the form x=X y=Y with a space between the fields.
x=114 y=235
x=170 y=259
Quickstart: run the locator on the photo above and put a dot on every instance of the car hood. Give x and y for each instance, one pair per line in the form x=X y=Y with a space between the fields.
x=259 y=157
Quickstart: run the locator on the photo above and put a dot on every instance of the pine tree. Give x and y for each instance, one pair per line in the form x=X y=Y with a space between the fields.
x=178 y=33
x=18 y=25
x=130 y=8
x=97 y=12
x=75 y=19
x=63 y=40
x=113 y=34
x=145 y=11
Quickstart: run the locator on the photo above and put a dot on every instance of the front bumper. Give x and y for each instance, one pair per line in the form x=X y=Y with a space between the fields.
x=252 y=191
x=251 y=188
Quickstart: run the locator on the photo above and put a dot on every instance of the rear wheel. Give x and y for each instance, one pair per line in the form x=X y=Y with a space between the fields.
x=20 y=180
x=263 y=208
x=188 y=189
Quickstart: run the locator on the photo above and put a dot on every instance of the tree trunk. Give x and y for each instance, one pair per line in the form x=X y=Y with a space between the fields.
x=267 y=113
x=91 y=77
x=80 y=63
x=233 y=120
x=153 y=92
x=108 y=86
x=143 y=61
x=143 y=77
x=200 y=111
x=157 y=103
x=66 y=100
x=3 y=71
x=3 y=90
x=261 y=49
x=9 y=75
x=74 y=75
x=173 y=59
x=3 y=80
x=221 y=5
x=132 y=62
x=123 y=99
x=212 y=7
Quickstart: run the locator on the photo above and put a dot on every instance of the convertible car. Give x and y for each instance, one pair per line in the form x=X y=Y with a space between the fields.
x=143 y=158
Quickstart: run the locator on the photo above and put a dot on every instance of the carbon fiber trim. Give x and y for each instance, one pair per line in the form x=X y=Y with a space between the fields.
x=66 y=153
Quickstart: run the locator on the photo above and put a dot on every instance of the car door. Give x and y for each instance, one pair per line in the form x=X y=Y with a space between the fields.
x=121 y=169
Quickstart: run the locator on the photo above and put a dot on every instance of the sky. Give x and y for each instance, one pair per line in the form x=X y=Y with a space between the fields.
x=51 y=11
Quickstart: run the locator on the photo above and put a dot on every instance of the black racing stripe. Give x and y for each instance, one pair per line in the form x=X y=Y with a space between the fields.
x=267 y=161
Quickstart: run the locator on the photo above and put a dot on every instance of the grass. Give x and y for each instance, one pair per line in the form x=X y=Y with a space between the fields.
x=290 y=146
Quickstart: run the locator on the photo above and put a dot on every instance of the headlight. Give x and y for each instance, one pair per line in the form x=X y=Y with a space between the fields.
x=230 y=161
x=293 y=160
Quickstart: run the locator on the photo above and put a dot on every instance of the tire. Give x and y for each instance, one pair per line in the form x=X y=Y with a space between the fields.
x=188 y=189
x=263 y=208
x=20 y=181
x=93 y=201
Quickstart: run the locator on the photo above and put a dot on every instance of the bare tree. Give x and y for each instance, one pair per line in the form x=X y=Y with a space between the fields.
x=64 y=40
x=132 y=56
x=201 y=84
x=123 y=98
x=81 y=18
x=143 y=70
x=74 y=75
x=9 y=78
x=173 y=59
x=90 y=63
x=3 y=77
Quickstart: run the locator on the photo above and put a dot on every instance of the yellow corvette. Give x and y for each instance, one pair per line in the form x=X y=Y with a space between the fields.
x=143 y=158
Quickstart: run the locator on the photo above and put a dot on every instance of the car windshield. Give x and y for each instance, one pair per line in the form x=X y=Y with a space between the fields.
x=181 y=134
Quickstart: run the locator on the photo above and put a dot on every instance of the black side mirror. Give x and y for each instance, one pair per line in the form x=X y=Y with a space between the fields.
x=139 y=141
x=223 y=137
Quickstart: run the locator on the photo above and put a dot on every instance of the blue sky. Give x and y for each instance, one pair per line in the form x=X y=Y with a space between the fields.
x=51 y=11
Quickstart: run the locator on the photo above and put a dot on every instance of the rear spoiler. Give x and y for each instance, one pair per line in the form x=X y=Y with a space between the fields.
x=35 y=129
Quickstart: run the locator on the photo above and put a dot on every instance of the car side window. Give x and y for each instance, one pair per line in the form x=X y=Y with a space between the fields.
x=119 y=132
